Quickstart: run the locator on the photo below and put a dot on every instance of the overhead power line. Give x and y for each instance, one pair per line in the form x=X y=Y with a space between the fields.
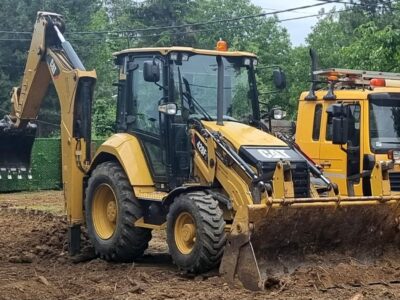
x=206 y=22
x=355 y=3
x=139 y=30
x=184 y=32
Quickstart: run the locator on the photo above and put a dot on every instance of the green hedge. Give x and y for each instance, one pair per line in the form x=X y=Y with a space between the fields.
x=46 y=169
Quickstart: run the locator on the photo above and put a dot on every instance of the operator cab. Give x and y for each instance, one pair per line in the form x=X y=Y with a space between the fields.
x=160 y=90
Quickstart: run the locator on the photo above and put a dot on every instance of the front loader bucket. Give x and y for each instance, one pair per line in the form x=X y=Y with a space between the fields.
x=15 y=150
x=268 y=241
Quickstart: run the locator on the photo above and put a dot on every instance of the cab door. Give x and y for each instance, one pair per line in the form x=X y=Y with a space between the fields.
x=163 y=136
x=341 y=163
x=142 y=116
x=308 y=133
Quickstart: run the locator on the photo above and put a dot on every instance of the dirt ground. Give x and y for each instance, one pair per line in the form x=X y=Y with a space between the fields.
x=34 y=264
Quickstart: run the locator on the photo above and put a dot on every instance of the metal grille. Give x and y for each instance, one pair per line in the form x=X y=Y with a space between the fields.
x=301 y=180
x=394 y=178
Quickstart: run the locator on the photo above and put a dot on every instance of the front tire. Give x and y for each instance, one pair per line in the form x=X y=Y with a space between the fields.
x=111 y=210
x=196 y=232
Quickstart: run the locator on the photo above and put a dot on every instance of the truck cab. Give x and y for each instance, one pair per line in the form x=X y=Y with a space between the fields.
x=372 y=104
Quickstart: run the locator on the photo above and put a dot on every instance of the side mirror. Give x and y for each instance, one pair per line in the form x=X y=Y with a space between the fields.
x=151 y=71
x=168 y=109
x=279 y=79
x=340 y=123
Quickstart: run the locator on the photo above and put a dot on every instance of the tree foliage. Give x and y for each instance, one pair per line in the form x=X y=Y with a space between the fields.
x=361 y=36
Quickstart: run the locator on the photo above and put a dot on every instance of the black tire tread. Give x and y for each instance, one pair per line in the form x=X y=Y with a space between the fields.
x=212 y=231
x=132 y=241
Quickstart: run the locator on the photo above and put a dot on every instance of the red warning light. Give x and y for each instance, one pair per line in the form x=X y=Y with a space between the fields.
x=377 y=82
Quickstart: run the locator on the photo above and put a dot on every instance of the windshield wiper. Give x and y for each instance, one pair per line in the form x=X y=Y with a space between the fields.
x=189 y=96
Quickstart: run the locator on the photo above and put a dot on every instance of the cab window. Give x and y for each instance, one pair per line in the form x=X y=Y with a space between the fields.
x=317 y=122
x=143 y=112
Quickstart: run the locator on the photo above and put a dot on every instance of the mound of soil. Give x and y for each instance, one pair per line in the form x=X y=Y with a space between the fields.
x=34 y=264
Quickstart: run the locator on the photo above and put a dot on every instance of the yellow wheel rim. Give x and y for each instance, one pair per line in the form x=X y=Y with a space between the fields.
x=185 y=233
x=104 y=211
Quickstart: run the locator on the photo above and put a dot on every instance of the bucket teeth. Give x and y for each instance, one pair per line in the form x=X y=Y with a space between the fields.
x=15 y=173
x=15 y=149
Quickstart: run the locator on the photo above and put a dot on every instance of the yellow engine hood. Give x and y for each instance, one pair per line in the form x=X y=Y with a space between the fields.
x=239 y=134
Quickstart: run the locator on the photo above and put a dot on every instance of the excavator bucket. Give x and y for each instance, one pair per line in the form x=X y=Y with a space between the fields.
x=270 y=240
x=15 y=149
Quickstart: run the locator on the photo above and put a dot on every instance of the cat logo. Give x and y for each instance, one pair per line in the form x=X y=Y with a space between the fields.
x=55 y=71
x=273 y=153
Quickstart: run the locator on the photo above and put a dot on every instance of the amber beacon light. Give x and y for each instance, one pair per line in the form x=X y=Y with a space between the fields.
x=222 y=45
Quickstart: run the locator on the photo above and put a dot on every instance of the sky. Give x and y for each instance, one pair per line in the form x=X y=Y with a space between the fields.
x=298 y=29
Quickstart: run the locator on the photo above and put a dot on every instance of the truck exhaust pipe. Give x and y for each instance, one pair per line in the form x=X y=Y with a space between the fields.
x=314 y=66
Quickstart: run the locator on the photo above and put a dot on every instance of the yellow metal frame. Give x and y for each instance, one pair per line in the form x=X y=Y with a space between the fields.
x=282 y=181
x=127 y=150
x=27 y=99
x=380 y=184
x=166 y=50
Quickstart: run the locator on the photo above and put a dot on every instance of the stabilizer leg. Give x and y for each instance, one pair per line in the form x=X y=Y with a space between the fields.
x=74 y=239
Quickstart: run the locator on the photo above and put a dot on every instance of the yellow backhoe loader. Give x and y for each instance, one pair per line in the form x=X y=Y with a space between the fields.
x=190 y=156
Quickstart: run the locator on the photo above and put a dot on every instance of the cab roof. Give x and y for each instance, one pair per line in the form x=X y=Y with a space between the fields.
x=350 y=94
x=352 y=84
x=166 y=50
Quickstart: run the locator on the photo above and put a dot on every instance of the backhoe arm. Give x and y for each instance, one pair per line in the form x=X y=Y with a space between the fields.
x=47 y=35
x=52 y=58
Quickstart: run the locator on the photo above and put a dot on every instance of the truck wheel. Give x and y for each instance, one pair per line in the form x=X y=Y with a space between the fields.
x=111 y=210
x=195 y=232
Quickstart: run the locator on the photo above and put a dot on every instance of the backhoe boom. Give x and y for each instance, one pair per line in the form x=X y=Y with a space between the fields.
x=52 y=59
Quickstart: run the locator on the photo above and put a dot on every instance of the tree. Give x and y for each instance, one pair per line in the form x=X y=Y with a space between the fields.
x=19 y=16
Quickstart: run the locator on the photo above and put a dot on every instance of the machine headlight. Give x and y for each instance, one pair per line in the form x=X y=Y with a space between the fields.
x=394 y=155
x=168 y=109
x=185 y=56
x=174 y=56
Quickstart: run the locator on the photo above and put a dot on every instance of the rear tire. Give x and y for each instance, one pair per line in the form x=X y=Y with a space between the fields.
x=111 y=210
x=195 y=232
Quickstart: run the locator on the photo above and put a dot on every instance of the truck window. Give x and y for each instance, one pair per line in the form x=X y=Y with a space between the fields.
x=384 y=124
x=328 y=134
x=317 y=122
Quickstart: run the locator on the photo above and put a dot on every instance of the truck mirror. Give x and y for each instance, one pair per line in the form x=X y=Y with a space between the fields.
x=340 y=128
x=279 y=79
x=151 y=71
x=340 y=123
